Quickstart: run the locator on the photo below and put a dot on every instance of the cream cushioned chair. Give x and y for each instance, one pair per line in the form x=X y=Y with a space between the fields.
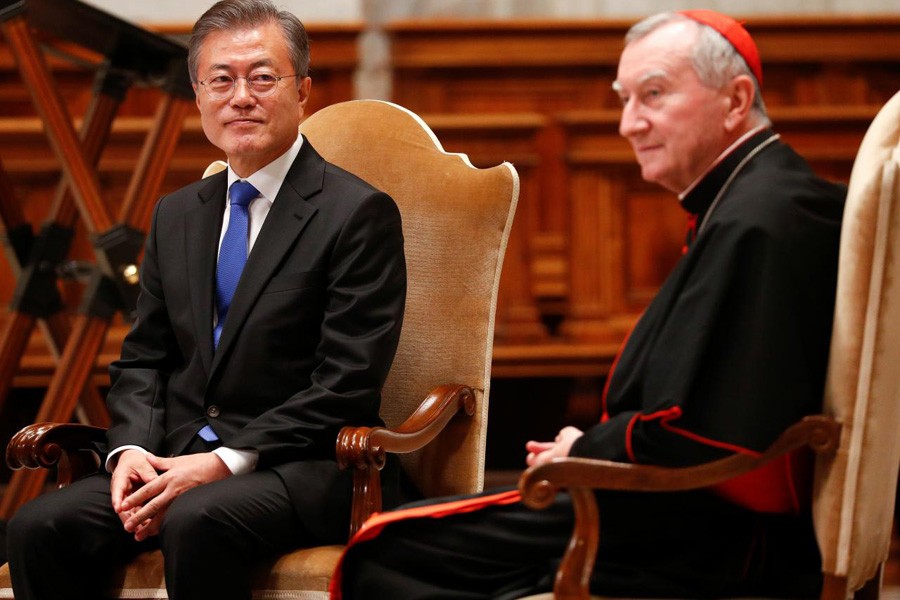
x=456 y=222
x=858 y=436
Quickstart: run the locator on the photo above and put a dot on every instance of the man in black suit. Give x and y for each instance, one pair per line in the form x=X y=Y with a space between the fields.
x=261 y=330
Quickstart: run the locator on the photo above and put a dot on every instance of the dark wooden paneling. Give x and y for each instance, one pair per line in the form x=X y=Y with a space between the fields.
x=592 y=242
x=548 y=66
x=603 y=240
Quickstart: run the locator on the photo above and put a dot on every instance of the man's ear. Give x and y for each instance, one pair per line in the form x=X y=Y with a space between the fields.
x=303 y=92
x=741 y=93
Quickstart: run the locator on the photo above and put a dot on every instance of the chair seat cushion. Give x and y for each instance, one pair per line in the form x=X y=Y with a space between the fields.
x=307 y=570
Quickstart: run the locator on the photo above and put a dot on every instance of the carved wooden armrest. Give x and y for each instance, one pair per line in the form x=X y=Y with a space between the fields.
x=540 y=484
x=67 y=446
x=365 y=448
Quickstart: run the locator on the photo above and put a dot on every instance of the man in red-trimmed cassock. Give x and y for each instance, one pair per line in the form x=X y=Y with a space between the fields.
x=731 y=352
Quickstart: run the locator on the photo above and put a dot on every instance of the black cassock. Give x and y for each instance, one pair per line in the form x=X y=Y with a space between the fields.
x=732 y=351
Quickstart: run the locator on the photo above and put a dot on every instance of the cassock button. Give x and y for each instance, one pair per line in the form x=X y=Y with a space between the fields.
x=212 y=411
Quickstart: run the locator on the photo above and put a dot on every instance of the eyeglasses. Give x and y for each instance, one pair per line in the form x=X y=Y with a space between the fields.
x=261 y=85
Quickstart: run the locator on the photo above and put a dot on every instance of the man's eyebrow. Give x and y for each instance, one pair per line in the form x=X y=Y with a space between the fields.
x=653 y=74
x=648 y=76
x=265 y=62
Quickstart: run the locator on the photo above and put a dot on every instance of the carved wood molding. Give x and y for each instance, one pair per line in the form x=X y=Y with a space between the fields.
x=454 y=43
x=547 y=66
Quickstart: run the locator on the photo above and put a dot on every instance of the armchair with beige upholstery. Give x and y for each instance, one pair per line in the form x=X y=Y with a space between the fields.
x=456 y=222
x=857 y=439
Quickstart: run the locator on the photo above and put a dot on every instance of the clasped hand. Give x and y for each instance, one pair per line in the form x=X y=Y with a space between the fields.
x=542 y=452
x=143 y=486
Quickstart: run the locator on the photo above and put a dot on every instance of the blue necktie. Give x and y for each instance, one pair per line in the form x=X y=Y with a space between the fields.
x=233 y=253
x=232 y=258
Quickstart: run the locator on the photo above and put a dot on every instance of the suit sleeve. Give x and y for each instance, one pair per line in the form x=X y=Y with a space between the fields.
x=136 y=400
x=360 y=330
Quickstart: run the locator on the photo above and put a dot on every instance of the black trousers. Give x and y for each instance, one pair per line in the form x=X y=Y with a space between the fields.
x=687 y=545
x=64 y=545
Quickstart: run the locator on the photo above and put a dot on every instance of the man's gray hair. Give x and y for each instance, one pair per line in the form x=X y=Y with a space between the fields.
x=715 y=60
x=229 y=15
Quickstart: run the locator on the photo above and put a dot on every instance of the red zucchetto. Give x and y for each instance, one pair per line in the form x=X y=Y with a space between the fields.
x=732 y=31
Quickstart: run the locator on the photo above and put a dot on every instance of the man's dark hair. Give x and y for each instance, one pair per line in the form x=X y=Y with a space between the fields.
x=245 y=14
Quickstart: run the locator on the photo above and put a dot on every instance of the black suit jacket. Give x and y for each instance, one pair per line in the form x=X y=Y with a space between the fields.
x=307 y=343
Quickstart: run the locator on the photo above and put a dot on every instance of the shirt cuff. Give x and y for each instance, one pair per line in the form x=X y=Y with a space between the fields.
x=112 y=458
x=238 y=462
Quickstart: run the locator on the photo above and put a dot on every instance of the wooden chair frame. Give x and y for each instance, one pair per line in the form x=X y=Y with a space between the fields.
x=580 y=476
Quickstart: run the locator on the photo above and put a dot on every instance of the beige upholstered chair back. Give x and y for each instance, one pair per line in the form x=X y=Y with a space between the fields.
x=456 y=221
x=854 y=496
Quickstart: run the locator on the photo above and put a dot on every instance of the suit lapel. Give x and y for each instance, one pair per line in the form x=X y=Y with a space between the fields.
x=287 y=218
x=202 y=226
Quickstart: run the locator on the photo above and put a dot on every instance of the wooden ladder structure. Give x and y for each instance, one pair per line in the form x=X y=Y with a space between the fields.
x=130 y=55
